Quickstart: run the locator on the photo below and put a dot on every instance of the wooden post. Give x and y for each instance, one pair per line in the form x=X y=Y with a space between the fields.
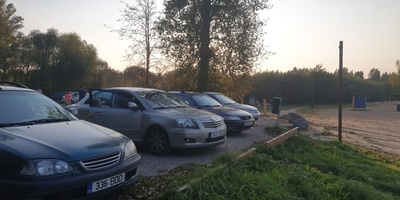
x=340 y=89
x=265 y=107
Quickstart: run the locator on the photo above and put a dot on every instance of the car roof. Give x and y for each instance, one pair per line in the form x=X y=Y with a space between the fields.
x=186 y=92
x=12 y=86
x=134 y=89
x=211 y=93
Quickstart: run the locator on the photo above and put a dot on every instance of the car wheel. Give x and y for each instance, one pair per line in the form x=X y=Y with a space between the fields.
x=157 y=141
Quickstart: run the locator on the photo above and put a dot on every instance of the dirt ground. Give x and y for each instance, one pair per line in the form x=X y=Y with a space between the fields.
x=377 y=127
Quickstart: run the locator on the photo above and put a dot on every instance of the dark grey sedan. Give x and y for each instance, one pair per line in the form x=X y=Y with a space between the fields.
x=235 y=119
x=47 y=153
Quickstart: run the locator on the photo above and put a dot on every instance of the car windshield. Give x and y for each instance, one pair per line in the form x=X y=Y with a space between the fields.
x=205 y=101
x=161 y=100
x=224 y=99
x=19 y=108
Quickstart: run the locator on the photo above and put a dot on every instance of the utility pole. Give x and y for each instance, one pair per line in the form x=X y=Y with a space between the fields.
x=340 y=89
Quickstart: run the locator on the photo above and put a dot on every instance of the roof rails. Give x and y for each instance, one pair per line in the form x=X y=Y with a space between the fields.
x=12 y=84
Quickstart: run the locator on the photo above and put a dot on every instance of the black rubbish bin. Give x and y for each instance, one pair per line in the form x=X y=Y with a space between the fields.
x=276 y=105
x=398 y=107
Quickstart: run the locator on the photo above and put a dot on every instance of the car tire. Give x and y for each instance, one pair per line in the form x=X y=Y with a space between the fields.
x=157 y=141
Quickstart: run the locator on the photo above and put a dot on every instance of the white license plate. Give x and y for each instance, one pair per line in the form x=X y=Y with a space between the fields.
x=248 y=123
x=216 y=134
x=105 y=183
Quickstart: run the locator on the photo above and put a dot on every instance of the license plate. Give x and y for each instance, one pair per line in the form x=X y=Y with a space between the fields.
x=248 y=123
x=105 y=183
x=216 y=134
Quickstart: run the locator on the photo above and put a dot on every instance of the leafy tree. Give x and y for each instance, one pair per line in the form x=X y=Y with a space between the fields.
x=76 y=60
x=297 y=87
x=41 y=49
x=395 y=80
x=385 y=77
x=266 y=85
x=374 y=74
x=212 y=37
x=325 y=85
x=138 y=21
x=136 y=76
x=10 y=25
x=359 y=74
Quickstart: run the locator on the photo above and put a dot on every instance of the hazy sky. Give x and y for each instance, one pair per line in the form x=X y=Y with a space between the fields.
x=302 y=34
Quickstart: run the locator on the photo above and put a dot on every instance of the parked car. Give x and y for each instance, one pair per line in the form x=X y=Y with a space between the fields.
x=58 y=96
x=152 y=117
x=236 y=120
x=226 y=101
x=47 y=153
x=75 y=97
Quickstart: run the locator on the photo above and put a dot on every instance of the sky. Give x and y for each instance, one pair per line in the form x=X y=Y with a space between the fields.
x=300 y=34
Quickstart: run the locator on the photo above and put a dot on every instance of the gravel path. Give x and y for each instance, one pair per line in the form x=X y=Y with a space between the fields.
x=152 y=165
x=377 y=127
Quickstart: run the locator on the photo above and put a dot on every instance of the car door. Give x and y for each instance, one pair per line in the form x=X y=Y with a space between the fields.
x=111 y=109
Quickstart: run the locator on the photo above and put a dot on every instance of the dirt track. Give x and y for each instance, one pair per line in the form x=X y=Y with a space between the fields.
x=377 y=127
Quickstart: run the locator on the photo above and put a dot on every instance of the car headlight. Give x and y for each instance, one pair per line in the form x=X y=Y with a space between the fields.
x=231 y=117
x=45 y=167
x=130 y=149
x=187 y=123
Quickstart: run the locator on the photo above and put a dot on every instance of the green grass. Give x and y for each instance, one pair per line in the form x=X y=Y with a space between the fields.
x=300 y=168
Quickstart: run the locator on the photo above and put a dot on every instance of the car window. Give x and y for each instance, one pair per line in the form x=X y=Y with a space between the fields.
x=224 y=99
x=121 y=100
x=102 y=99
x=205 y=101
x=159 y=100
x=28 y=108
x=187 y=100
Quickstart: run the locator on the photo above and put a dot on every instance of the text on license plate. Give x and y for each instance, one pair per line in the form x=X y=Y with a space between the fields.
x=216 y=134
x=105 y=183
x=248 y=123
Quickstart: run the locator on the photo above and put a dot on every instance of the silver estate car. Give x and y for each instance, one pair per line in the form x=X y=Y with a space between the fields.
x=152 y=117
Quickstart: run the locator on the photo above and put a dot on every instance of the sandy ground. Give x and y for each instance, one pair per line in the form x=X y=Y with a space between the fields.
x=377 y=127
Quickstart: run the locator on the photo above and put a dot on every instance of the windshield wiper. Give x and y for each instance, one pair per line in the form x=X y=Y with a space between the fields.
x=33 y=122
x=210 y=106
x=41 y=121
x=161 y=108
x=37 y=121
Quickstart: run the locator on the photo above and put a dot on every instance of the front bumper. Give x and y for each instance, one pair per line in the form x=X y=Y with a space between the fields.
x=70 y=186
x=239 y=125
x=197 y=138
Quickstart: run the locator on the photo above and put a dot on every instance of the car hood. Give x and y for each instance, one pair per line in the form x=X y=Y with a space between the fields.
x=242 y=106
x=70 y=141
x=226 y=111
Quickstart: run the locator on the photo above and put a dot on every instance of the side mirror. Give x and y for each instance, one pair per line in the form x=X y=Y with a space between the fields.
x=132 y=105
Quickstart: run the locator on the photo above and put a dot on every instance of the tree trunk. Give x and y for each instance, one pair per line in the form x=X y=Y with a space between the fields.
x=205 y=46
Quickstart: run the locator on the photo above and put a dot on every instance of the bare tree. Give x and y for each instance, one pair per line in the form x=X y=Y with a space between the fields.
x=137 y=26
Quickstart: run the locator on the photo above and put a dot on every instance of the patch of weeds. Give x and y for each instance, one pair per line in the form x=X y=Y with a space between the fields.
x=224 y=159
x=324 y=133
x=276 y=130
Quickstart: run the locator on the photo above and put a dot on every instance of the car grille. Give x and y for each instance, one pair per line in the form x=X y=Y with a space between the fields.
x=207 y=123
x=101 y=162
x=208 y=140
x=245 y=117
